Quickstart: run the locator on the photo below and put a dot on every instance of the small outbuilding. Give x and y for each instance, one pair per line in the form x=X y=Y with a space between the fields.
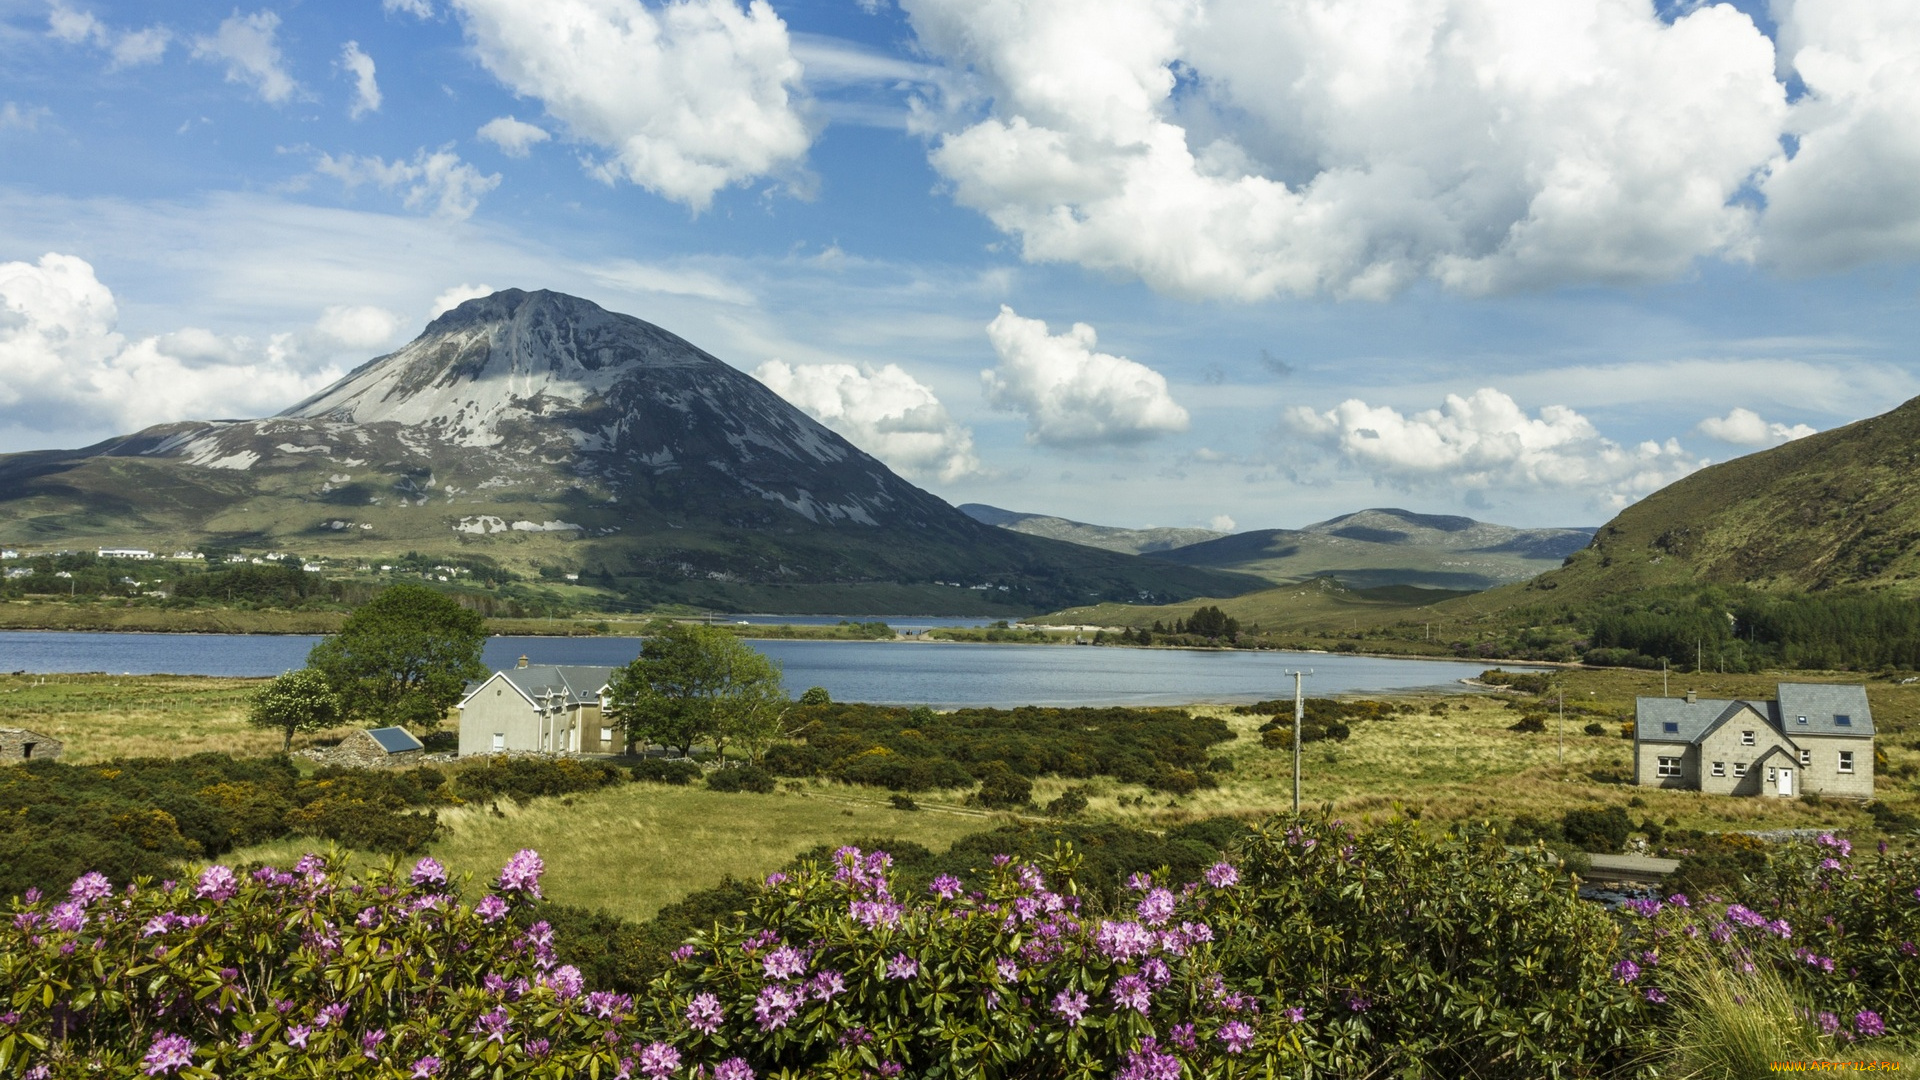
x=379 y=748
x=19 y=745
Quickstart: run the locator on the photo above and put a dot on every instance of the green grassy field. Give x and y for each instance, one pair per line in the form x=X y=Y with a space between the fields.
x=635 y=847
x=1319 y=606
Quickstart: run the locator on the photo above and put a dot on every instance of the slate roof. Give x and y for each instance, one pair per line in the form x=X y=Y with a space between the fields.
x=1820 y=703
x=576 y=684
x=395 y=740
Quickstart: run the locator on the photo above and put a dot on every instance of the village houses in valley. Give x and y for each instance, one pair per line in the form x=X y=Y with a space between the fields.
x=540 y=709
x=1811 y=739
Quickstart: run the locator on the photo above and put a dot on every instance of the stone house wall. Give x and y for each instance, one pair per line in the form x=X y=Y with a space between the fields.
x=19 y=745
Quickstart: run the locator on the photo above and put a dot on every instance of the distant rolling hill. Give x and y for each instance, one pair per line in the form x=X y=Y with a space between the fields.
x=1380 y=547
x=1108 y=537
x=535 y=429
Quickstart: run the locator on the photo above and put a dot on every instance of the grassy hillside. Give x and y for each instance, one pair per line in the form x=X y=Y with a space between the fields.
x=1322 y=604
x=1833 y=510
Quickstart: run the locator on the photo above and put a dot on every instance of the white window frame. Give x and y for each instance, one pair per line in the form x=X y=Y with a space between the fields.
x=1846 y=761
x=1739 y=768
x=606 y=735
x=1806 y=759
x=499 y=741
x=1746 y=738
x=1719 y=768
x=1666 y=767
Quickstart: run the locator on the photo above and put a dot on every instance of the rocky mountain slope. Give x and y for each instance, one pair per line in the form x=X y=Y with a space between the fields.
x=1379 y=547
x=1128 y=541
x=538 y=429
x=1834 y=510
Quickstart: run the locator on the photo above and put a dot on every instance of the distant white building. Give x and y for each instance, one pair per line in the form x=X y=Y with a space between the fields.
x=9 y=553
x=125 y=553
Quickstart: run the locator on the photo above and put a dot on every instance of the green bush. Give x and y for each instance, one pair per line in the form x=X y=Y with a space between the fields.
x=1003 y=789
x=676 y=771
x=533 y=777
x=1071 y=803
x=1530 y=724
x=741 y=778
x=1601 y=829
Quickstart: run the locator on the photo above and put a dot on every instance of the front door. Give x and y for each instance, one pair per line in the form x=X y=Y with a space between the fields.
x=1786 y=782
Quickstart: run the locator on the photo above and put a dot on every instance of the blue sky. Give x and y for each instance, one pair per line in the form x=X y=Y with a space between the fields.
x=1249 y=263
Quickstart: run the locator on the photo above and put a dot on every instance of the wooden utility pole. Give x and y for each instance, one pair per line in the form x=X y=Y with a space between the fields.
x=1299 y=717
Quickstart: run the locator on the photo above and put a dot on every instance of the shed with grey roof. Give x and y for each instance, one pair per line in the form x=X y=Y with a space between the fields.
x=1810 y=739
x=379 y=748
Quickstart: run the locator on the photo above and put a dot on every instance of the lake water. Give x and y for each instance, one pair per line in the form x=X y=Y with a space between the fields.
x=935 y=673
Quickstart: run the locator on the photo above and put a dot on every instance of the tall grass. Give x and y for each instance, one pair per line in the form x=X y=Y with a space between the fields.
x=1736 y=1025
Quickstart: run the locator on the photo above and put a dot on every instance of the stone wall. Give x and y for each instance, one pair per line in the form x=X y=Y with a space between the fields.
x=19 y=744
x=360 y=751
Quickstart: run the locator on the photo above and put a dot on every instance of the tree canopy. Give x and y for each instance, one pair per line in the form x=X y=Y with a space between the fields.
x=699 y=683
x=296 y=701
x=403 y=657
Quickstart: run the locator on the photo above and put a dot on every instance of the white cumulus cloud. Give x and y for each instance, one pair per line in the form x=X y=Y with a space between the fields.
x=129 y=48
x=366 y=89
x=249 y=46
x=1851 y=190
x=1252 y=148
x=435 y=181
x=884 y=411
x=68 y=366
x=1070 y=394
x=457 y=295
x=514 y=137
x=419 y=9
x=1744 y=427
x=1221 y=523
x=686 y=99
x=1486 y=439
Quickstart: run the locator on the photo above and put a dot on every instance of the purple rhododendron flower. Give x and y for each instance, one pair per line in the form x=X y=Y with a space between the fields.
x=946 y=886
x=1626 y=971
x=522 y=873
x=1123 y=940
x=1829 y=1023
x=1237 y=1035
x=1070 y=1005
x=1007 y=968
x=494 y=1024
x=424 y=1068
x=659 y=1060
x=491 y=909
x=70 y=916
x=1223 y=875
x=297 y=1036
x=704 y=1014
x=428 y=871
x=566 y=982
x=1654 y=995
x=783 y=963
x=902 y=967
x=90 y=886
x=826 y=986
x=733 y=1069
x=775 y=1006
x=1868 y=1025
x=168 y=1054
x=1148 y=1063
x=1132 y=992
x=1155 y=908
x=370 y=1043
x=217 y=883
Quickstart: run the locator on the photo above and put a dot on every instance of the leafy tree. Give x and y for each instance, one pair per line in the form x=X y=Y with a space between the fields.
x=816 y=695
x=296 y=701
x=404 y=656
x=1211 y=622
x=691 y=683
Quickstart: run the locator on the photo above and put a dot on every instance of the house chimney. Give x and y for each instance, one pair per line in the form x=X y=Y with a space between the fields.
x=1693 y=698
x=523 y=663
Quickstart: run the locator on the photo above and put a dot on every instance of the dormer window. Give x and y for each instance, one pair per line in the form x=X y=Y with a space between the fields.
x=1803 y=719
x=1842 y=720
x=1746 y=738
x=1670 y=728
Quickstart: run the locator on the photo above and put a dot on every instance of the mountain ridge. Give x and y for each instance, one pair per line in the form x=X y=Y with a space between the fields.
x=539 y=429
x=1109 y=537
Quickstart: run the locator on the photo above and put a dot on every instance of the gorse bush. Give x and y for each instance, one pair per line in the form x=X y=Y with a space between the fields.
x=920 y=750
x=141 y=817
x=521 y=778
x=741 y=778
x=677 y=771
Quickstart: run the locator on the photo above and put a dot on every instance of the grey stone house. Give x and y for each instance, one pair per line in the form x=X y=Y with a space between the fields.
x=541 y=709
x=1811 y=739
x=19 y=745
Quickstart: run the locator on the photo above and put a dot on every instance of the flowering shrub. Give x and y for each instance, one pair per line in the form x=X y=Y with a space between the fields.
x=1448 y=956
x=1842 y=932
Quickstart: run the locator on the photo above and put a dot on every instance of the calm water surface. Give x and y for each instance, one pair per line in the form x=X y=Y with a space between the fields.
x=934 y=673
